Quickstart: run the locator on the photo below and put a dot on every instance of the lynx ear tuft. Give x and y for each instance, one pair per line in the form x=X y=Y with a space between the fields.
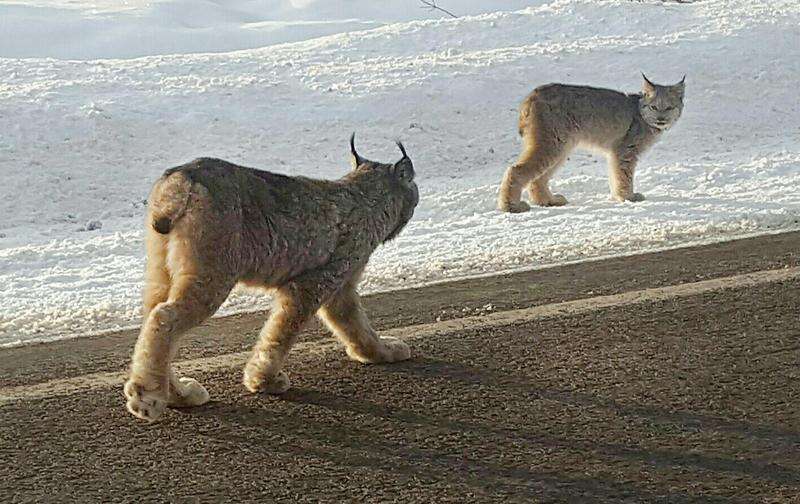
x=648 y=87
x=402 y=149
x=680 y=86
x=355 y=159
x=404 y=169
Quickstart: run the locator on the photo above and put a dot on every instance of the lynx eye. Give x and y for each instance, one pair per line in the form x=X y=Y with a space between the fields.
x=670 y=108
x=653 y=107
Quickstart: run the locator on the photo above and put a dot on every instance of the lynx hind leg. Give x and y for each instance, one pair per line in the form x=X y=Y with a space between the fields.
x=509 y=198
x=146 y=391
x=152 y=385
x=540 y=157
x=149 y=404
x=186 y=392
x=345 y=317
x=157 y=280
x=539 y=188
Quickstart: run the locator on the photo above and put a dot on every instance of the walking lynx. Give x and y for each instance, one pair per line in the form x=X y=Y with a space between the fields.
x=557 y=118
x=212 y=224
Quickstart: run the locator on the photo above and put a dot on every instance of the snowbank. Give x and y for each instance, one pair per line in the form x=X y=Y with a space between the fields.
x=83 y=140
x=70 y=29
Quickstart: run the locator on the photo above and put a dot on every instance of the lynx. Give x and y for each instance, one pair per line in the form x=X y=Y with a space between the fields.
x=212 y=224
x=556 y=118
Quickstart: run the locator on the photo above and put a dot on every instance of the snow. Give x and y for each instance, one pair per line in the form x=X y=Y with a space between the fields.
x=76 y=29
x=83 y=139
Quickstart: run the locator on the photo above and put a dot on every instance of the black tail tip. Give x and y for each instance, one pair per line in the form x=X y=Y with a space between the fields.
x=162 y=225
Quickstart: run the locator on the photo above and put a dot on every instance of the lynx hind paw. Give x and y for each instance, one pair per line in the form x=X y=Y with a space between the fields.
x=188 y=393
x=518 y=207
x=632 y=197
x=255 y=383
x=557 y=200
x=147 y=405
x=398 y=350
x=387 y=350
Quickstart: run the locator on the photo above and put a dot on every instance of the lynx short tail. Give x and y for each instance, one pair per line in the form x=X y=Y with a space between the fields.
x=165 y=211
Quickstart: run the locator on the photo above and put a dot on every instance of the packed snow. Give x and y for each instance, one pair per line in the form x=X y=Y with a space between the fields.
x=280 y=85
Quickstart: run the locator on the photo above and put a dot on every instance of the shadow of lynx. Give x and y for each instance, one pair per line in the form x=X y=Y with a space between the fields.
x=344 y=433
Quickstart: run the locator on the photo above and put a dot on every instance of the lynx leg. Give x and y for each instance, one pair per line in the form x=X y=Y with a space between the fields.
x=346 y=319
x=536 y=160
x=293 y=306
x=509 y=198
x=151 y=377
x=156 y=277
x=539 y=188
x=622 y=165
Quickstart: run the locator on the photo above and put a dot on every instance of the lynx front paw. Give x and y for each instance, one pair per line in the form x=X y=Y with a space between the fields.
x=254 y=381
x=632 y=197
x=518 y=207
x=145 y=404
x=188 y=392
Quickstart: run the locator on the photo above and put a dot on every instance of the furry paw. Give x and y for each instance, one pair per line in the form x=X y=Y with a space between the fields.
x=518 y=207
x=187 y=393
x=145 y=404
x=254 y=382
x=398 y=350
x=632 y=197
x=556 y=200
x=388 y=350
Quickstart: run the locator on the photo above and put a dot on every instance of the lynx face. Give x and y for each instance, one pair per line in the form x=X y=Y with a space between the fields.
x=661 y=106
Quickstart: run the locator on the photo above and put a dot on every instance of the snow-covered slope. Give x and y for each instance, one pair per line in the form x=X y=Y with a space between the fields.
x=82 y=29
x=82 y=141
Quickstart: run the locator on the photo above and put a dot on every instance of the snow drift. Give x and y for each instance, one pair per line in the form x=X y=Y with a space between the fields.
x=83 y=139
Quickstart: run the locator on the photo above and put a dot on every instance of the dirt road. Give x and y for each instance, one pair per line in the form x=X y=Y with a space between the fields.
x=669 y=377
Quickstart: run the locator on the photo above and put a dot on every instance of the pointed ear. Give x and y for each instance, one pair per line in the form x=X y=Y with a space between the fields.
x=648 y=87
x=355 y=159
x=403 y=169
x=681 y=86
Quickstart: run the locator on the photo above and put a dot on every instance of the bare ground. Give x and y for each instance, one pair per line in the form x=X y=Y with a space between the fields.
x=692 y=399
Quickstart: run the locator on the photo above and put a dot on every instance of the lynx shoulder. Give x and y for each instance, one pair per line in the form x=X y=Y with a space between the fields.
x=212 y=224
x=556 y=118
